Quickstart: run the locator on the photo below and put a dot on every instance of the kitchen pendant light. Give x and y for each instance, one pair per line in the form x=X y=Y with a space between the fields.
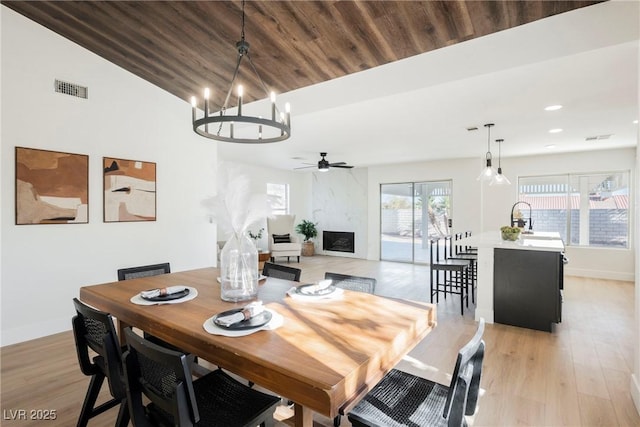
x=499 y=178
x=248 y=129
x=489 y=171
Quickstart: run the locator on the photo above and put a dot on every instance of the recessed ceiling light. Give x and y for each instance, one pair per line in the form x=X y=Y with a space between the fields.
x=550 y=146
x=557 y=130
x=553 y=107
x=635 y=122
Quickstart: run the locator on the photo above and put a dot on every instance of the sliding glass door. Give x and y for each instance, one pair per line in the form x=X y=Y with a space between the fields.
x=411 y=213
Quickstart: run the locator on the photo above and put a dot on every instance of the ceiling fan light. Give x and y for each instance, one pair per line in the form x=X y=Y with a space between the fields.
x=323 y=164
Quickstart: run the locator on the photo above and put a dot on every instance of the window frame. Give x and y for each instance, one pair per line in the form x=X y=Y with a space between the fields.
x=274 y=198
x=575 y=205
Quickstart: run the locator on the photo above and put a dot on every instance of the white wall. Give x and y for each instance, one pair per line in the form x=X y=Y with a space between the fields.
x=43 y=266
x=478 y=207
x=635 y=377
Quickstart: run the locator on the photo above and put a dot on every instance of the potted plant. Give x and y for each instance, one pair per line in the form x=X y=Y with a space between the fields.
x=255 y=237
x=309 y=231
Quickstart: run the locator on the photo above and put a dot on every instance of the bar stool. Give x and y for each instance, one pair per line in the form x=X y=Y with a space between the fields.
x=454 y=277
x=455 y=250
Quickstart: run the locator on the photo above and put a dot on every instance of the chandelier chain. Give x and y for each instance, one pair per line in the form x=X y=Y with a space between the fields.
x=242 y=31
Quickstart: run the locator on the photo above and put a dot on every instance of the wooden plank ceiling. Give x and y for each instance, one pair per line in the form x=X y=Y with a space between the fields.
x=184 y=46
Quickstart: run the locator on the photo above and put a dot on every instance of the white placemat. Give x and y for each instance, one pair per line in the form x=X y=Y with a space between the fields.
x=193 y=292
x=276 y=321
x=294 y=294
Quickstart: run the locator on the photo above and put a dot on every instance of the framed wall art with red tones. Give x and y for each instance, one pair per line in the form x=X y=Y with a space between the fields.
x=129 y=190
x=52 y=187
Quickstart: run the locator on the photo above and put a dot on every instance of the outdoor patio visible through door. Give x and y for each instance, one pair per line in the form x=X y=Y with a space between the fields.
x=411 y=213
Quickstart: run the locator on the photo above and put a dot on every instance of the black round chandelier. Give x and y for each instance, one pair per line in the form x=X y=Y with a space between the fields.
x=233 y=126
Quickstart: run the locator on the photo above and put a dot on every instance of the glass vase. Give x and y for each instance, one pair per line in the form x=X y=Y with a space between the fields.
x=239 y=269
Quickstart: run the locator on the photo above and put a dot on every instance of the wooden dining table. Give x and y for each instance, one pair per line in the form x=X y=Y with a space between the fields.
x=326 y=355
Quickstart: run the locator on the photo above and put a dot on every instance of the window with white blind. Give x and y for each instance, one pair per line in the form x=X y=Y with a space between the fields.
x=586 y=209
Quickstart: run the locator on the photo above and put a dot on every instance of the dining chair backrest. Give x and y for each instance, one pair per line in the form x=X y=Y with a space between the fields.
x=464 y=389
x=458 y=246
x=450 y=247
x=161 y=375
x=353 y=283
x=281 y=271
x=94 y=330
x=143 y=271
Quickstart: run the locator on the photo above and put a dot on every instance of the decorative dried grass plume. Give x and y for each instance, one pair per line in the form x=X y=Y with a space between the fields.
x=235 y=208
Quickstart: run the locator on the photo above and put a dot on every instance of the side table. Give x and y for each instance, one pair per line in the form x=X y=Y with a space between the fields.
x=262 y=257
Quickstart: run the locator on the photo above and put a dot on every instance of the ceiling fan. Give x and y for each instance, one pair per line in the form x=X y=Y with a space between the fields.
x=324 y=165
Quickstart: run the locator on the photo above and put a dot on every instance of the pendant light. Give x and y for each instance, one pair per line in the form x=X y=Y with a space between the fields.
x=489 y=171
x=499 y=178
x=274 y=127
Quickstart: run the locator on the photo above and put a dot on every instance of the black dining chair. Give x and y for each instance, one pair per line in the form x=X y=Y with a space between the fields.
x=448 y=276
x=131 y=273
x=94 y=331
x=162 y=377
x=143 y=271
x=281 y=271
x=402 y=399
x=353 y=283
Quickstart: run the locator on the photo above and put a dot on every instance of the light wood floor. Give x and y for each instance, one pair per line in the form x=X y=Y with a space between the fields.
x=578 y=375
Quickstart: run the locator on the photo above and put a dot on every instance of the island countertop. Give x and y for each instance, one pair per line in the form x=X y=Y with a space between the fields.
x=538 y=241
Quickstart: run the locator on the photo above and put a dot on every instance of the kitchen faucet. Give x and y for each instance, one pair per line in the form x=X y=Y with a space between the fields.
x=521 y=222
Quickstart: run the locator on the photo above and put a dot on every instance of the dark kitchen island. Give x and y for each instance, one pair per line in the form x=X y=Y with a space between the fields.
x=520 y=283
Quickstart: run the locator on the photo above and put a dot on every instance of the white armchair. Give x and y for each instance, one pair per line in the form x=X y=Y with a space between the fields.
x=286 y=242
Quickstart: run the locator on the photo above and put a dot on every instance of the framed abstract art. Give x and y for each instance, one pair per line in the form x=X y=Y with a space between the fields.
x=129 y=190
x=51 y=187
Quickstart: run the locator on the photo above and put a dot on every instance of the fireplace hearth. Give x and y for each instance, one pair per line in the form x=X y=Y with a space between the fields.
x=338 y=241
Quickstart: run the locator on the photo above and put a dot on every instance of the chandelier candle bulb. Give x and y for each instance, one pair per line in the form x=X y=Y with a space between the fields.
x=207 y=93
x=240 y=100
x=193 y=108
x=273 y=106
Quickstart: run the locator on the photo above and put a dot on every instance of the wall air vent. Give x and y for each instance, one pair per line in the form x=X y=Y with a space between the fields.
x=598 y=137
x=71 y=89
